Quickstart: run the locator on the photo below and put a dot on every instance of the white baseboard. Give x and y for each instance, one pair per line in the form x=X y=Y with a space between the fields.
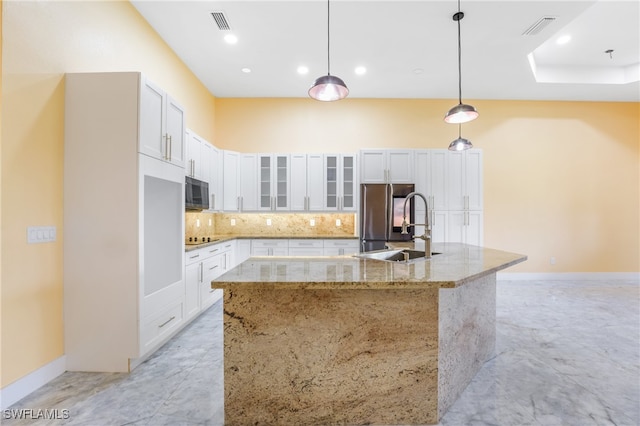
x=565 y=276
x=17 y=390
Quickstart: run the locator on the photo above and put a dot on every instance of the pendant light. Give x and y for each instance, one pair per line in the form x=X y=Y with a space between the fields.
x=328 y=87
x=460 y=144
x=461 y=113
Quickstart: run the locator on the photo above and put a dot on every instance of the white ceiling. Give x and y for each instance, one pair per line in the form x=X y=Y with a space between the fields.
x=395 y=39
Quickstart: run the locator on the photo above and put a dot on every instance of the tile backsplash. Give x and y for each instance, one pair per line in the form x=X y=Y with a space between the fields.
x=202 y=224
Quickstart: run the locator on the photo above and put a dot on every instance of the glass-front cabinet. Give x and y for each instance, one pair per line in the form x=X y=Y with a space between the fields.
x=274 y=182
x=340 y=182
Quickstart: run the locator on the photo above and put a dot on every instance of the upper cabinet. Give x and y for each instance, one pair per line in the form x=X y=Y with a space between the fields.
x=431 y=176
x=274 y=178
x=386 y=166
x=307 y=183
x=465 y=180
x=162 y=125
x=340 y=182
x=240 y=183
x=198 y=150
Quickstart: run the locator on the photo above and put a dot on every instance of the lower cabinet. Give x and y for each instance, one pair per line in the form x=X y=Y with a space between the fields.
x=340 y=247
x=201 y=267
x=270 y=247
x=310 y=247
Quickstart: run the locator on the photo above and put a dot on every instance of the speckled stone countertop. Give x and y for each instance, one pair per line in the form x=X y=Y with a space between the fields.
x=222 y=238
x=456 y=265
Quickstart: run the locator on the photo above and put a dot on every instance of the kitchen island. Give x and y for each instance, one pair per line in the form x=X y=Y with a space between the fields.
x=346 y=340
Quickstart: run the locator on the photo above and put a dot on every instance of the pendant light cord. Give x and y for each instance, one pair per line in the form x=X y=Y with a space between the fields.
x=460 y=16
x=329 y=39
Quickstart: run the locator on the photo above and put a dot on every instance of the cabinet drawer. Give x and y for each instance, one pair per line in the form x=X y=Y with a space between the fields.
x=309 y=243
x=306 y=251
x=270 y=243
x=193 y=256
x=346 y=243
x=160 y=326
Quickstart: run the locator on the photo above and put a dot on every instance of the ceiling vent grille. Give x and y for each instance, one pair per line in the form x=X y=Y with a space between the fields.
x=221 y=21
x=539 y=25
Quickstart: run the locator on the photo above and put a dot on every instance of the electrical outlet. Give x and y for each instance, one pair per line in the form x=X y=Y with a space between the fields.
x=197 y=223
x=209 y=221
x=233 y=222
x=338 y=222
x=552 y=260
x=312 y=222
x=268 y=222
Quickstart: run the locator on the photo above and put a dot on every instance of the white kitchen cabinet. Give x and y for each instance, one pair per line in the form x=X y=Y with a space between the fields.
x=340 y=182
x=162 y=124
x=231 y=184
x=273 y=184
x=465 y=227
x=438 y=220
x=307 y=183
x=269 y=247
x=216 y=179
x=464 y=186
x=306 y=247
x=431 y=177
x=243 y=251
x=386 y=166
x=340 y=247
x=240 y=182
x=124 y=287
x=198 y=164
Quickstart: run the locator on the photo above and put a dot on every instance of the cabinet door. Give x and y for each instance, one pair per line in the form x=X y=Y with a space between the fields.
x=175 y=131
x=473 y=179
x=192 y=289
x=374 y=166
x=299 y=167
x=281 y=182
x=456 y=193
x=400 y=166
x=211 y=270
x=231 y=161
x=248 y=179
x=265 y=173
x=216 y=174
x=331 y=173
x=151 y=124
x=315 y=182
x=349 y=183
x=438 y=179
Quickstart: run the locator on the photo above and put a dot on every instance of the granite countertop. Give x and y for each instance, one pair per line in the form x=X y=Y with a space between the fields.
x=456 y=265
x=217 y=239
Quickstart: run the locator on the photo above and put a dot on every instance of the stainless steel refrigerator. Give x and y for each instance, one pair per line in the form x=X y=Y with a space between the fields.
x=381 y=214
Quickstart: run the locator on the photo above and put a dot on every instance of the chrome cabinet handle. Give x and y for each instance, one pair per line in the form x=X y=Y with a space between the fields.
x=201 y=272
x=167 y=321
x=213 y=202
x=170 y=146
x=193 y=257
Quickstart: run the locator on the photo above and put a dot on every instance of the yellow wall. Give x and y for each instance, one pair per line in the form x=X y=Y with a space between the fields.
x=561 y=179
x=42 y=41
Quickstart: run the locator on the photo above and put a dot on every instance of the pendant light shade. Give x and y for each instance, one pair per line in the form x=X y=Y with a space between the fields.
x=460 y=144
x=461 y=113
x=328 y=87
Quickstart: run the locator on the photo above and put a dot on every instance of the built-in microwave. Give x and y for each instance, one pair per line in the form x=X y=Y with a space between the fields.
x=196 y=194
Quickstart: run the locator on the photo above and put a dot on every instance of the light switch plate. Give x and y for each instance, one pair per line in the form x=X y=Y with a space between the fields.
x=41 y=234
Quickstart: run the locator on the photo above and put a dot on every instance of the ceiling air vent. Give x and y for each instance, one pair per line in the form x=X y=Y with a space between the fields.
x=221 y=21
x=539 y=25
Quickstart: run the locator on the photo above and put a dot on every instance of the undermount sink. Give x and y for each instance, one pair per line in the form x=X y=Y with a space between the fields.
x=402 y=256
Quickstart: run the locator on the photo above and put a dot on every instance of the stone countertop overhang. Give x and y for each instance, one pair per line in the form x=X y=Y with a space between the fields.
x=456 y=265
x=222 y=238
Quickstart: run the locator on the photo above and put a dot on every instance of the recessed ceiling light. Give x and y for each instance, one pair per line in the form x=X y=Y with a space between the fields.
x=303 y=70
x=563 y=39
x=360 y=70
x=246 y=70
x=418 y=71
x=231 y=39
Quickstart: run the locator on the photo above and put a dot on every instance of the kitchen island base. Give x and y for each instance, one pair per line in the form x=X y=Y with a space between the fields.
x=353 y=356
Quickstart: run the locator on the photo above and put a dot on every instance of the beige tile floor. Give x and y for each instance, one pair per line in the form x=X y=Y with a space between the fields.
x=567 y=353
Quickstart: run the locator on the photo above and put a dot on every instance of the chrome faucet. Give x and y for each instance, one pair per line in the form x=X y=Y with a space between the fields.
x=427 y=226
